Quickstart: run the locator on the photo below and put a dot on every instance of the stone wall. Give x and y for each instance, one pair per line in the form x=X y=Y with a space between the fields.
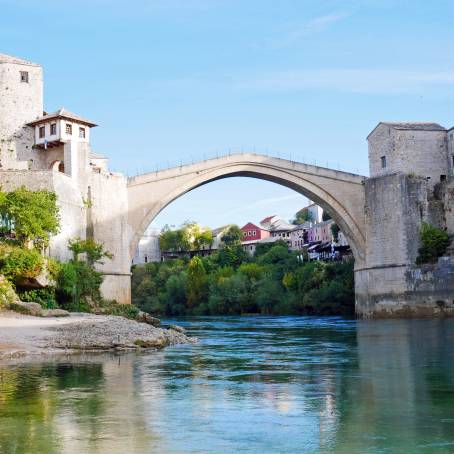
x=20 y=103
x=391 y=285
x=423 y=153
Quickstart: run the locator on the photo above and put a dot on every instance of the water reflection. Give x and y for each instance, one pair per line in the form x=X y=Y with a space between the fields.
x=75 y=405
x=251 y=385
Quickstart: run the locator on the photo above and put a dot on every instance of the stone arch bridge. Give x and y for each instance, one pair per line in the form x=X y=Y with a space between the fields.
x=341 y=193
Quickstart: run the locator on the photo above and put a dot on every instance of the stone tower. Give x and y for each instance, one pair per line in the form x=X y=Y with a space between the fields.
x=419 y=149
x=21 y=101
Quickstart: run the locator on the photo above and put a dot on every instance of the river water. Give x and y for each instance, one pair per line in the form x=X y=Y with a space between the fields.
x=251 y=385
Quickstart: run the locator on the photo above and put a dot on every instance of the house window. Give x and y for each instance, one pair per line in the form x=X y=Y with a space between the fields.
x=69 y=129
x=53 y=129
x=146 y=259
x=24 y=76
x=42 y=132
x=254 y=233
x=82 y=133
x=383 y=162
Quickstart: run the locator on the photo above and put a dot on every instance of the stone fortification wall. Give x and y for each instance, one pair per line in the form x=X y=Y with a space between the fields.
x=422 y=153
x=391 y=285
x=107 y=217
x=100 y=211
x=20 y=103
x=72 y=209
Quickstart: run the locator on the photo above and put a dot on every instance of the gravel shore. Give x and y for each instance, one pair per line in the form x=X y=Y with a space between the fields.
x=22 y=335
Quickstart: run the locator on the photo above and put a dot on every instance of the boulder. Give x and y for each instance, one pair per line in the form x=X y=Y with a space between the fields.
x=54 y=313
x=177 y=328
x=26 y=308
x=144 y=317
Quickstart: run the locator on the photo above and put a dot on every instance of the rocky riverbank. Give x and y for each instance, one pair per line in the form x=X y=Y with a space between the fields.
x=22 y=335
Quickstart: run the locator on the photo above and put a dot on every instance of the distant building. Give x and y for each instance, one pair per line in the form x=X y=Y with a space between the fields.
x=253 y=232
x=314 y=213
x=278 y=228
x=321 y=232
x=299 y=236
x=148 y=248
x=251 y=246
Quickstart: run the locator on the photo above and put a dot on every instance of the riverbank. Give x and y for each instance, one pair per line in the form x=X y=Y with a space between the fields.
x=24 y=335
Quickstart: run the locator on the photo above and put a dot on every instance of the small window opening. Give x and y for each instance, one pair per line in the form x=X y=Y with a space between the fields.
x=69 y=129
x=442 y=177
x=42 y=132
x=53 y=129
x=146 y=259
x=383 y=162
x=82 y=133
x=24 y=76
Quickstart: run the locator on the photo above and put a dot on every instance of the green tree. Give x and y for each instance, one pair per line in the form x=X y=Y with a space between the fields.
x=94 y=251
x=302 y=216
x=335 y=232
x=232 y=236
x=32 y=215
x=173 y=240
x=196 y=282
x=326 y=216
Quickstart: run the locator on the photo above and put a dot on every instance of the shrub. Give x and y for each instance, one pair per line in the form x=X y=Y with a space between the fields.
x=114 y=308
x=76 y=283
x=7 y=294
x=32 y=215
x=17 y=263
x=43 y=296
x=434 y=243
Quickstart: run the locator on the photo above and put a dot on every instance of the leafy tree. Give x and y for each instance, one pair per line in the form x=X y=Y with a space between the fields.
x=32 y=215
x=232 y=236
x=434 y=243
x=94 y=251
x=78 y=282
x=335 y=232
x=173 y=240
x=232 y=256
x=326 y=216
x=196 y=283
x=302 y=216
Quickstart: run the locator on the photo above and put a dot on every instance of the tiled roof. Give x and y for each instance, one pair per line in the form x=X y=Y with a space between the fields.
x=63 y=113
x=267 y=219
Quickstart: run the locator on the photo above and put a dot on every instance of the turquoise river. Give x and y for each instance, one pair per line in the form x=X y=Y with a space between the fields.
x=251 y=385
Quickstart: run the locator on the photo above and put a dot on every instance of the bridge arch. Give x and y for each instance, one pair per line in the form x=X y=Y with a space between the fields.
x=341 y=193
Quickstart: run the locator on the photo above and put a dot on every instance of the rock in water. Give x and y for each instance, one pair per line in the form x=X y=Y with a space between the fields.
x=177 y=328
x=144 y=317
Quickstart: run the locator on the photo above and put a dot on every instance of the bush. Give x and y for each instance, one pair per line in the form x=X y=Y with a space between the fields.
x=122 y=310
x=32 y=215
x=17 y=263
x=43 y=296
x=7 y=294
x=77 y=283
x=434 y=243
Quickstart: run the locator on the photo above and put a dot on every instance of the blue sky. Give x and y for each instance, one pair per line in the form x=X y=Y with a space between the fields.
x=182 y=79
